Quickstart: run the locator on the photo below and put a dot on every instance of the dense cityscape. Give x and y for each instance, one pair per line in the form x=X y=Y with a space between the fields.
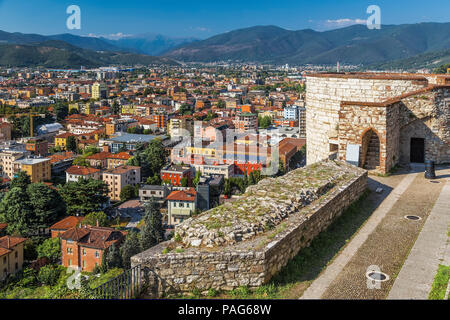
x=258 y=163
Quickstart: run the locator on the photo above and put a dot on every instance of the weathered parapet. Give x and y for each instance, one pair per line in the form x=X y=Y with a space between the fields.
x=251 y=262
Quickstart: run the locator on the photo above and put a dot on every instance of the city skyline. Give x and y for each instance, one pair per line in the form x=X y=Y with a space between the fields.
x=202 y=19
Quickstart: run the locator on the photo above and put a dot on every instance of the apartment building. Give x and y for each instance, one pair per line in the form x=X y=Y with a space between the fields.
x=39 y=169
x=158 y=193
x=174 y=173
x=38 y=147
x=7 y=159
x=99 y=91
x=246 y=122
x=119 y=177
x=181 y=205
x=11 y=255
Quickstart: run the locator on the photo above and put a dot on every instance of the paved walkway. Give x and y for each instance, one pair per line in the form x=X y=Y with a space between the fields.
x=430 y=249
x=322 y=283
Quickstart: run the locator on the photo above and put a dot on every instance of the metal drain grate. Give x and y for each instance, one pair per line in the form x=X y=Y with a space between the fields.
x=377 y=276
x=412 y=217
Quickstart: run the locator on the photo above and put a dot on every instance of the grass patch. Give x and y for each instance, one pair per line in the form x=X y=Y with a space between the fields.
x=296 y=276
x=440 y=283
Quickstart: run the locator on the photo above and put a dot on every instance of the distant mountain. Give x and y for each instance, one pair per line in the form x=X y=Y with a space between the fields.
x=351 y=45
x=90 y=43
x=60 y=54
x=428 y=60
x=152 y=44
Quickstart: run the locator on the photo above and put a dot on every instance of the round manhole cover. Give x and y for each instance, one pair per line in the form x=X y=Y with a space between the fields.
x=377 y=276
x=412 y=217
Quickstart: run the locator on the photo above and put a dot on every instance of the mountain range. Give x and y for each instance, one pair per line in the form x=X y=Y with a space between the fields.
x=351 y=45
x=394 y=46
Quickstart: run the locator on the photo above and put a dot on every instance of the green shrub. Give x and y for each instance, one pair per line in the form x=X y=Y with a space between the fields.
x=49 y=275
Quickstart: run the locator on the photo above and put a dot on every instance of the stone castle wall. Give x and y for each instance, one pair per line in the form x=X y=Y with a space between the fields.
x=251 y=262
x=324 y=94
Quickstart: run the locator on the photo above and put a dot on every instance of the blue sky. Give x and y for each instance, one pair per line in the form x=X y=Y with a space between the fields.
x=204 y=18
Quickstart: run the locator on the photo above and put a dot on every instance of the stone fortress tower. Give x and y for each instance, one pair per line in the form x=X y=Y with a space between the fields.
x=377 y=120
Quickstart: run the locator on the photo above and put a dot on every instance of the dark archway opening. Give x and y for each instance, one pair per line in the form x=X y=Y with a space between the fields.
x=417 y=150
x=370 y=150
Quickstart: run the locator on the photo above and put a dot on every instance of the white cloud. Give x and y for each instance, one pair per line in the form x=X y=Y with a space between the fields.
x=343 y=22
x=112 y=36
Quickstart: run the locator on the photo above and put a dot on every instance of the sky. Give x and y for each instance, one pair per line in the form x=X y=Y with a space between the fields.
x=205 y=18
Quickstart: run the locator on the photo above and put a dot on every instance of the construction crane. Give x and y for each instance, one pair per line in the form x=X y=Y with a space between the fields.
x=32 y=114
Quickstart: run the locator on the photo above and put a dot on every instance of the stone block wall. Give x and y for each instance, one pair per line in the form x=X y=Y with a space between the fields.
x=251 y=262
x=325 y=93
x=426 y=115
x=356 y=119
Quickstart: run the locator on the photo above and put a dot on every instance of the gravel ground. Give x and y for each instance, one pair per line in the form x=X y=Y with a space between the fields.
x=389 y=245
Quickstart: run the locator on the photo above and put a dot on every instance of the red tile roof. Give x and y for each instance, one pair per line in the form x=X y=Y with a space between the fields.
x=67 y=223
x=8 y=242
x=94 y=237
x=120 y=155
x=183 y=195
x=80 y=170
x=3 y=226
x=99 y=156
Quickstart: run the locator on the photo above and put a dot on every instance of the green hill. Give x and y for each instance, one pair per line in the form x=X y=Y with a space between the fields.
x=59 y=54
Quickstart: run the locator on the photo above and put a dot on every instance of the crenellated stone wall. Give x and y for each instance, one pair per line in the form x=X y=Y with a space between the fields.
x=177 y=267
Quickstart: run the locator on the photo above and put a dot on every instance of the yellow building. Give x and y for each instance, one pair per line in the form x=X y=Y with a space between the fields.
x=11 y=255
x=176 y=126
x=39 y=169
x=99 y=91
x=61 y=140
x=74 y=106
x=129 y=109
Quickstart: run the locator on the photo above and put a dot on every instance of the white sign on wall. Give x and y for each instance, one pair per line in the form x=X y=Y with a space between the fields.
x=352 y=154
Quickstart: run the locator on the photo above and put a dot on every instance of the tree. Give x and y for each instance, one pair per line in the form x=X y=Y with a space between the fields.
x=71 y=144
x=15 y=209
x=221 y=104
x=153 y=232
x=151 y=159
x=96 y=217
x=22 y=180
x=129 y=248
x=197 y=177
x=49 y=275
x=47 y=204
x=115 y=108
x=84 y=196
x=51 y=249
x=184 y=182
x=113 y=258
x=154 y=180
x=61 y=111
x=127 y=193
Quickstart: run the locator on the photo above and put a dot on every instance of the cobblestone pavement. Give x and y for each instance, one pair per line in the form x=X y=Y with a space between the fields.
x=384 y=241
x=432 y=248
